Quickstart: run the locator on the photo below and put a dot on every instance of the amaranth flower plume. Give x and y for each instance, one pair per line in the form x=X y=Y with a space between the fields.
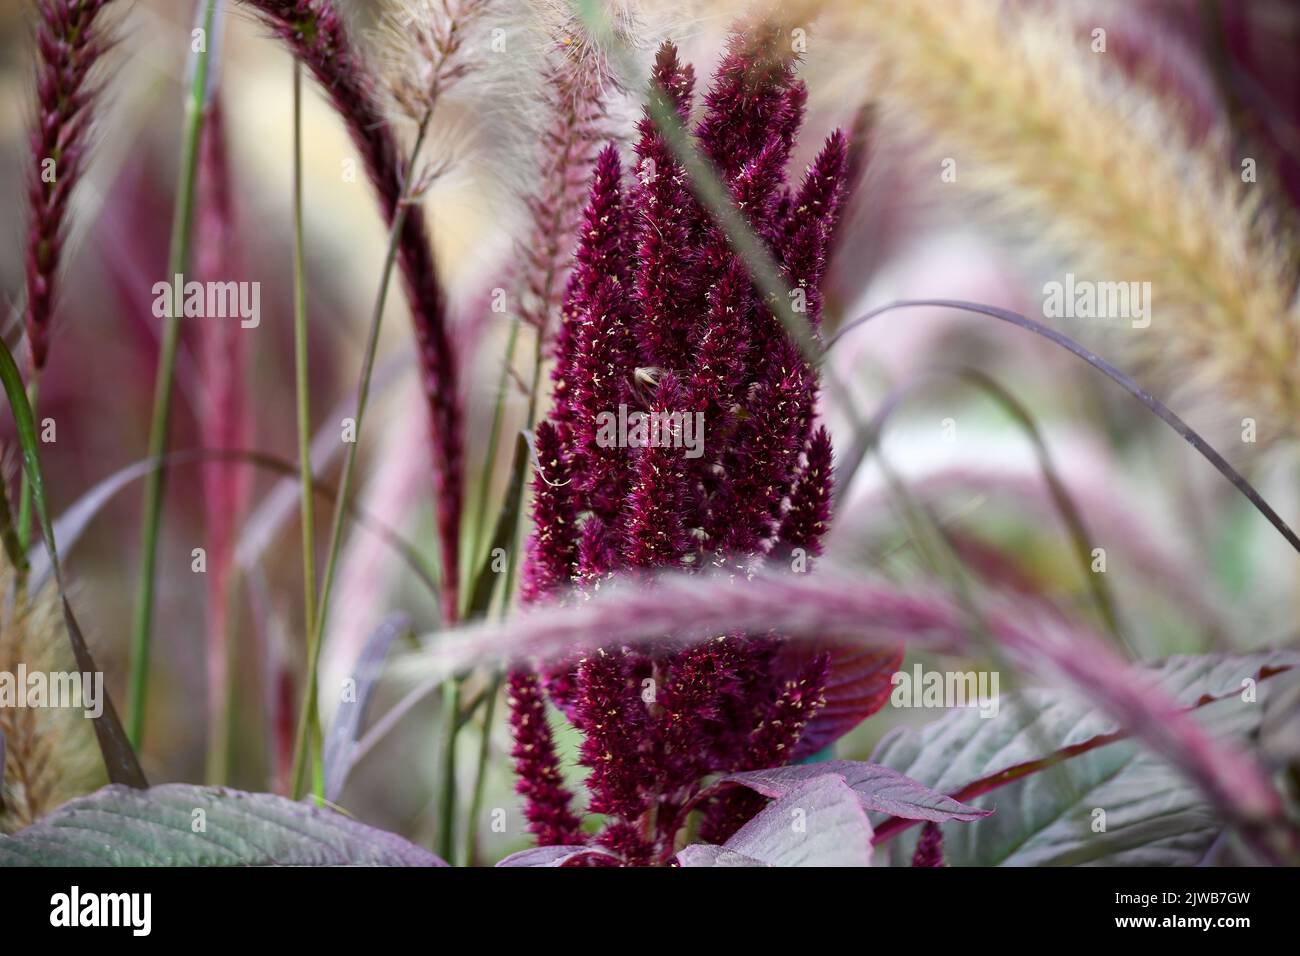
x=661 y=317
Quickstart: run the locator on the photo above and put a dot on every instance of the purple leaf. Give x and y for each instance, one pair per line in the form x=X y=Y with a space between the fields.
x=879 y=789
x=857 y=687
x=702 y=854
x=553 y=856
x=821 y=822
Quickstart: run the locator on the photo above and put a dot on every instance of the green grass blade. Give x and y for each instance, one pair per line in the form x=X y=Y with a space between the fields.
x=301 y=383
x=24 y=529
x=305 y=503
x=479 y=524
x=178 y=263
x=119 y=757
x=308 y=727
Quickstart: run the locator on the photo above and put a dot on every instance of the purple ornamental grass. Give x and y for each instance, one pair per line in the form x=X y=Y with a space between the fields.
x=872 y=613
x=661 y=316
x=574 y=102
x=71 y=40
x=225 y=417
x=315 y=32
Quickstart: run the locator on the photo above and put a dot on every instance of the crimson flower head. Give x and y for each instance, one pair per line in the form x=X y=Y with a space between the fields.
x=682 y=436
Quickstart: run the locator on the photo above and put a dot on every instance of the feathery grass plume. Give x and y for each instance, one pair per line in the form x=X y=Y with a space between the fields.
x=1047 y=127
x=49 y=753
x=422 y=50
x=315 y=32
x=225 y=419
x=573 y=109
x=71 y=40
x=661 y=318
x=635 y=612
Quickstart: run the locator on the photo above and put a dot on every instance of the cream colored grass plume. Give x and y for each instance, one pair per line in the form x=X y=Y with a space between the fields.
x=1103 y=166
x=49 y=753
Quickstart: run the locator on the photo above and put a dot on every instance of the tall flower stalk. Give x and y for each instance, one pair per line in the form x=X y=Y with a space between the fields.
x=429 y=60
x=71 y=40
x=662 y=318
x=225 y=424
x=574 y=108
x=315 y=32
x=302 y=402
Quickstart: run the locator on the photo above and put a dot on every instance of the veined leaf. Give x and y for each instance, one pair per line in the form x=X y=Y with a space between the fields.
x=818 y=823
x=183 y=825
x=1151 y=814
x=878 y=789
x=553 y=856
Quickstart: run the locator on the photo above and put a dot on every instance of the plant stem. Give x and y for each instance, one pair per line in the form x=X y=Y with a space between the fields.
x=178 y=262
x=451 y=730
x=447 y=804
x=469 y=855
x=301 y=371
x=308 y=721
x=305 y=498
x=24 y=489
x=476 y=801
x=219 y=733
x=494 y=437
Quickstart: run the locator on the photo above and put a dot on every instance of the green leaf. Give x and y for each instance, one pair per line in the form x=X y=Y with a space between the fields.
x=184 y=825
x=504 y=531
x=1153 y=815
x=119 y=757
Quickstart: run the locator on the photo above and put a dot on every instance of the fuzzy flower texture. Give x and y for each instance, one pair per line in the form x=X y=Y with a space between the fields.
x=661 y=316
x=71 y=39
